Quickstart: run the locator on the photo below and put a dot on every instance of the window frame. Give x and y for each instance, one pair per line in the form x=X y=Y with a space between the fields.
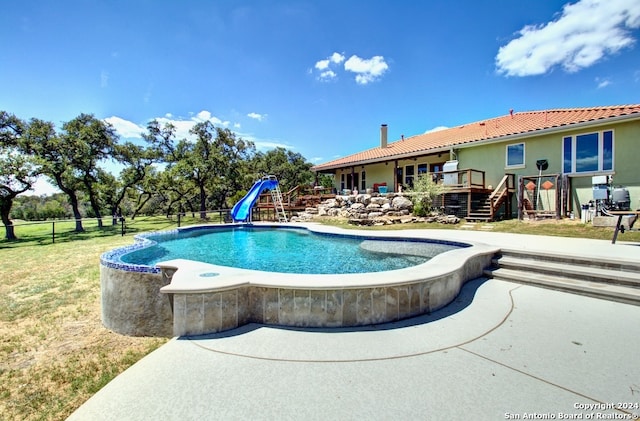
x=605 y=153
x=408 y=178
x=524 y=155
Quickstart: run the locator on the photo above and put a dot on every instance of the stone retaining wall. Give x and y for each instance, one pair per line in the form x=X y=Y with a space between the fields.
x=371 y=209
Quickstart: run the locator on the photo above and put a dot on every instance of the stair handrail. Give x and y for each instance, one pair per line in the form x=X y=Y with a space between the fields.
x=499 y=193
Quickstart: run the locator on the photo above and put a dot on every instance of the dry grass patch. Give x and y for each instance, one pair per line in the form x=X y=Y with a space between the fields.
x=54 y=351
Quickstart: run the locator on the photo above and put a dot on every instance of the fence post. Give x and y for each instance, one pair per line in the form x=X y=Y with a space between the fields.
x=53 y=231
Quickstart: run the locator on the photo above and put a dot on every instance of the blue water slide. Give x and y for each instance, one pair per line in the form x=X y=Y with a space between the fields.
x=242 y=210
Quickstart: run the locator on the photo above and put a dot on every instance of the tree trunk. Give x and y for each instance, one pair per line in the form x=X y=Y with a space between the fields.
x=76 y=211
x=115 y=215
x=203 y=202
x=8 y=225
x=73 y=198
x=141 y=204
x=5 y=211
x=94 y=204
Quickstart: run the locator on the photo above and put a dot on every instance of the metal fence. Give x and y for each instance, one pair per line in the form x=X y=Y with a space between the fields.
x=58 y=229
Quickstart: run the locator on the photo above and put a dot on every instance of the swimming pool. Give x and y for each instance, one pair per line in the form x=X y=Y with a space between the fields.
x=181 y=296
x=287 y=250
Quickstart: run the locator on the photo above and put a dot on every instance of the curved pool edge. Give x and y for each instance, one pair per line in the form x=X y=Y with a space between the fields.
x=202 y=298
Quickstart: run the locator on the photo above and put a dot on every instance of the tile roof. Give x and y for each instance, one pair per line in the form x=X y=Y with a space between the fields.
x=513 y=124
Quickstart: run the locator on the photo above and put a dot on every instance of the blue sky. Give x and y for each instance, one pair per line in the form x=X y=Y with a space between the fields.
x=314 y=76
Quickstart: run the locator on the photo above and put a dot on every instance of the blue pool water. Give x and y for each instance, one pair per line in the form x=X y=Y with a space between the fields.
x=286 y=250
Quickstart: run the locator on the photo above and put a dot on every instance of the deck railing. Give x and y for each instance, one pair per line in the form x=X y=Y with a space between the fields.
x=467 y=178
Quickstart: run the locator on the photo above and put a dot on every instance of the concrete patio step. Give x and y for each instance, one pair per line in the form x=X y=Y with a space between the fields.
x=607 y=279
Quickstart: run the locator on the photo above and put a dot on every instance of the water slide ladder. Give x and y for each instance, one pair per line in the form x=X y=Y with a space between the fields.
x=278 y=205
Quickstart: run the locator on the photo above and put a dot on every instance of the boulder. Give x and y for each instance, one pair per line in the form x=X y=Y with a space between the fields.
x=378 y=200
x=401 y=203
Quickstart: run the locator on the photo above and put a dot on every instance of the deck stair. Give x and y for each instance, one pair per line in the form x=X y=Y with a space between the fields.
x=481 y=212
x=486 y=209
x=278 y=205
x=606 y=279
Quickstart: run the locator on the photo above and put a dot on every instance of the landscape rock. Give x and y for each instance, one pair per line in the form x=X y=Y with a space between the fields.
x=372 y=209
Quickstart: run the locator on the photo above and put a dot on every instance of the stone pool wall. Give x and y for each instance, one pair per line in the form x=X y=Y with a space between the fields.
x=132 y=303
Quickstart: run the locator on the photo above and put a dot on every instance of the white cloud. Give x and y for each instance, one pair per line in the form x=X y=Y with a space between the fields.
x=336 y=58
x=329 y=74
x=104 y=79
x=583 y=34
x=130 y=130
x=603 y=82
x=436 y=129
x=324 y=66
x=366 y=70
x=267 y=144
x=257 y=116
x=126 y=128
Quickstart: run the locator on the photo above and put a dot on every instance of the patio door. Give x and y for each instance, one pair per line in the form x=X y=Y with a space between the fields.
x=352 y=181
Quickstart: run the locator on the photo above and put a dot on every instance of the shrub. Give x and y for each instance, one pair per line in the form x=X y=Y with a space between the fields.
x=423 y=193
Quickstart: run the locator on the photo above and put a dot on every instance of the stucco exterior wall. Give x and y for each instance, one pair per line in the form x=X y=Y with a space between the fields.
x=491 y=158
x=625 y=163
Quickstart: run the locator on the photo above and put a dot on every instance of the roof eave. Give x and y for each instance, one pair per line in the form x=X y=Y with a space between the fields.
x=505 y=138
x=550 y=130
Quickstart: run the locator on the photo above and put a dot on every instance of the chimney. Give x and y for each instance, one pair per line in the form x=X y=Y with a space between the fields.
x=383 y=136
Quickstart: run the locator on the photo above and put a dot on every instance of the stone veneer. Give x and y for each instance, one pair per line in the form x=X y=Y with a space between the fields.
x=209 y=312
x=132 y=303
x=193 y=298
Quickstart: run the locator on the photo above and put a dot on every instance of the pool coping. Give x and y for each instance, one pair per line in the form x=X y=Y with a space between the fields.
x=188 y=277
x=191 y=298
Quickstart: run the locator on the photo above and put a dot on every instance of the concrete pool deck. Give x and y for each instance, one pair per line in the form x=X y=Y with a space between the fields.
x=501 y=350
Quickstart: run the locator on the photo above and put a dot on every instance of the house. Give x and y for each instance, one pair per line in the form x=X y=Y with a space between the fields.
x=540 y=161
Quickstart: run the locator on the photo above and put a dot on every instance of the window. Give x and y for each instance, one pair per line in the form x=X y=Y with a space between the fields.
x=436 y=171
x=363 y=182
x=342 y=182
x=588 y=153
x=352 y=181
x=422 y=169
x=408 y=175
x=515 y=155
